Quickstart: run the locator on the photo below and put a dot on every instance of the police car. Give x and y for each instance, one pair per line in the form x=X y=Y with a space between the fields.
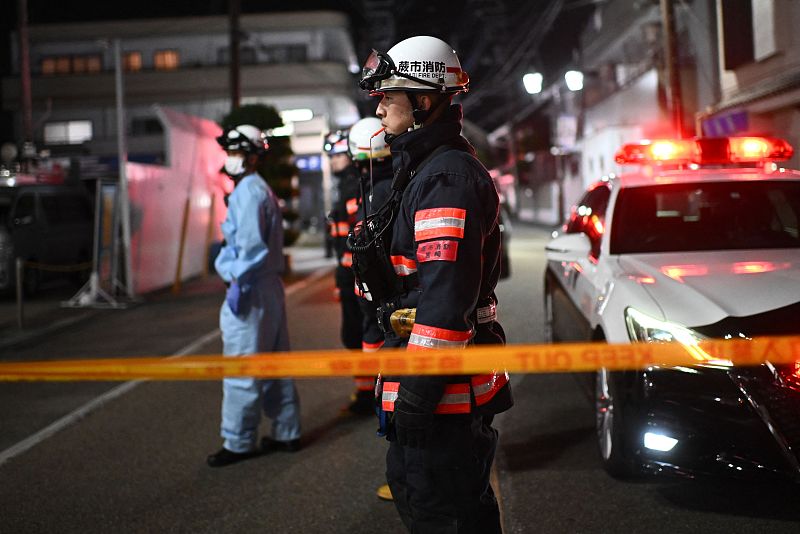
x=701 y=241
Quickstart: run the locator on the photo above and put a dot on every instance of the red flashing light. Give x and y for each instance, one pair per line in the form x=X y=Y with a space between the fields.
x=657 y=151
x=759 y=149
x=705 y=151
x=791 y=375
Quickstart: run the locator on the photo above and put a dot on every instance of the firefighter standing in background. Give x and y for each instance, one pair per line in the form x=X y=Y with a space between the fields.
x=253 y=317
x=342 y=218
x=372 y=158
x=445 y=250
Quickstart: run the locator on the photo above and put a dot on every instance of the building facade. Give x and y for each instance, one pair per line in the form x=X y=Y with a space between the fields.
x=759 y=71
x=300 y=63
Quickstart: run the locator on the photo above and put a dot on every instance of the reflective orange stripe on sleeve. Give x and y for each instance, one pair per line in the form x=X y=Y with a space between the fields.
x=455 y=399
x=364 y=383
x=351 y=206
x=429 y=337
x=486 y=386
x=439 y=222
x=340 y=229
x=371 y=347
x=347 y=259
x=403 y=266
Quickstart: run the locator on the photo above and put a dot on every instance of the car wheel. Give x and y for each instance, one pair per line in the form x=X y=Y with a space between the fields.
x=613 y=425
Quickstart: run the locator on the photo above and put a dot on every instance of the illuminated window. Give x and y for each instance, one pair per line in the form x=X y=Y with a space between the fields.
x=132 y=61
x=79 y=64
x=49 y=65
x=166 y=60
x=67 y=132
x=63 y=65
x=84 y=64
x=94 y=64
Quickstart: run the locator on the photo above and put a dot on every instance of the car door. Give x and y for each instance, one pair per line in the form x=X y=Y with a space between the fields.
x=26 y=226
x=68 y=213
x=585 y=278
x=56 y=235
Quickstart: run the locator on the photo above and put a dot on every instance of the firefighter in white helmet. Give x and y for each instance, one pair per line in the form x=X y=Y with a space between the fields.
x=342 y=217
x=444 y=256
x=253 y=316
x=373 y=161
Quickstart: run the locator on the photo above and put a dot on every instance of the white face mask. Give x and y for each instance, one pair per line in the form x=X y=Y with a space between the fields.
x=234 y=165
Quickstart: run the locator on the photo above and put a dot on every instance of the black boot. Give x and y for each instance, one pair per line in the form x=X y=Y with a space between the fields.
x=224 y=457
x=269 y=445
x=362 y=403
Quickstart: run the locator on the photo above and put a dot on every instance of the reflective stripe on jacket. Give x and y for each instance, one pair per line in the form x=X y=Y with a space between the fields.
x=456 y=397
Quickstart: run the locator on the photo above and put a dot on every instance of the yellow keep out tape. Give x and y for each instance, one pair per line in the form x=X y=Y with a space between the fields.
x=562 y=357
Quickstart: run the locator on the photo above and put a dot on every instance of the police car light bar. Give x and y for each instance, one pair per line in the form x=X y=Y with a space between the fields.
x=705 y=151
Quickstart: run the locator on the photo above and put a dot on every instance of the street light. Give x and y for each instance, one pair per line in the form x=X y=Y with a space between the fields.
x=574 y=80
x=533 y=83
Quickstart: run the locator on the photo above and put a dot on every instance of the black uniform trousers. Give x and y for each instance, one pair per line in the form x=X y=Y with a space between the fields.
x=351 y=310
x=445 y=488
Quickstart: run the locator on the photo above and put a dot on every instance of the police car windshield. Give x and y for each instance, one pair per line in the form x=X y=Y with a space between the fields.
x=707 y=216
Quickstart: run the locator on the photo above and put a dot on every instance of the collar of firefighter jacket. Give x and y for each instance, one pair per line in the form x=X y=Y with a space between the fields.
x=410 y=148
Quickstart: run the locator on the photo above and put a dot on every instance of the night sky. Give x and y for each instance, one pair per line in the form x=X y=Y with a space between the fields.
x=448 y=20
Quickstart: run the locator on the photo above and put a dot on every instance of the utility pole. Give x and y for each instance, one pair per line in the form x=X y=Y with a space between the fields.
x=672 y=65
x=25 y=77
x=234 y=9
x=123 y=203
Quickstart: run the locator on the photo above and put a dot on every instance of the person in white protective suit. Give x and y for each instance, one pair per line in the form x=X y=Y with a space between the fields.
x=253 y=316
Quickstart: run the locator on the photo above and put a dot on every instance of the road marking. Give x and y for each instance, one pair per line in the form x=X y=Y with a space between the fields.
x=98 y=402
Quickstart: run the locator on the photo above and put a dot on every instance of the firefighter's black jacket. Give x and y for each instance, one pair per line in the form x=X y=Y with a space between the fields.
x=376 y=192
x=447 y=235
x=343 y=216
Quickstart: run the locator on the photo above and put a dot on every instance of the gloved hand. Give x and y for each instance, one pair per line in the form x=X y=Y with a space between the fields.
x=233 y=296
x=412 y=427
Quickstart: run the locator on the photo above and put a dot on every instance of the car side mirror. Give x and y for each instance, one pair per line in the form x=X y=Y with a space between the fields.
x=569 y=247
x=23 y=221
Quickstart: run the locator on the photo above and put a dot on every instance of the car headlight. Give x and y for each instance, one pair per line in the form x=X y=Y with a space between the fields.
x=643 y=328
x=646 y=329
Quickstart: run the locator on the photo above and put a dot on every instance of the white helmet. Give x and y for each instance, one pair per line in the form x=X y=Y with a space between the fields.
x=365 y=142
x=420 y=63
x=246 y=138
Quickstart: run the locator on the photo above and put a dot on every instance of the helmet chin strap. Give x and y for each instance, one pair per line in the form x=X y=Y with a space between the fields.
x=420 y=115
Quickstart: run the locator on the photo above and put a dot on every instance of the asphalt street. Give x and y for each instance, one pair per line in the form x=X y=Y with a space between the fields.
x=102 y=457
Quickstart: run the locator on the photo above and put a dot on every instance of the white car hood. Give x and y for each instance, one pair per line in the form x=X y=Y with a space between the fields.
x=700 y=288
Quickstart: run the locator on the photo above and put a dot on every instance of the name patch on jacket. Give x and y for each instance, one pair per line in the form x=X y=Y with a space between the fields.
x=439 y=222
x=440 y=250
